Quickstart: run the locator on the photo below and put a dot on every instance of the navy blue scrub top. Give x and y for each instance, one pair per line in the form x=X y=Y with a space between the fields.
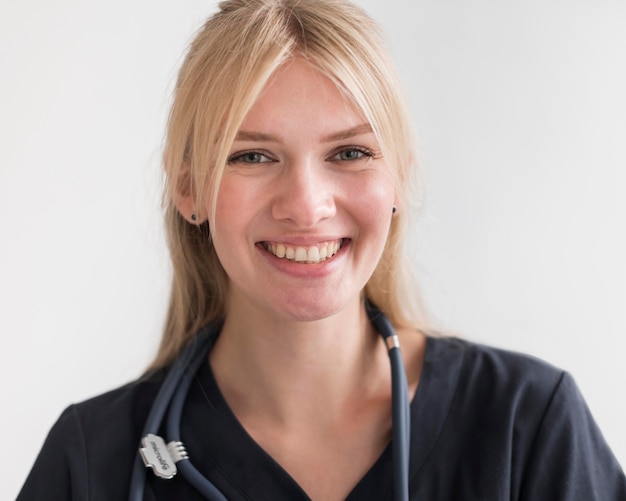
x=486 y=425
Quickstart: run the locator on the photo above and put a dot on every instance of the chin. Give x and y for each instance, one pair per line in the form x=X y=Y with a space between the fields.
x=307 y=309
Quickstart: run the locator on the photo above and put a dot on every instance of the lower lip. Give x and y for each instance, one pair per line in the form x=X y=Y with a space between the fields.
x=304 y=270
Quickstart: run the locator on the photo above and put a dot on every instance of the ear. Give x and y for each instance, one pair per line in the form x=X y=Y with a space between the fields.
x=396 y=201
x=184 y=200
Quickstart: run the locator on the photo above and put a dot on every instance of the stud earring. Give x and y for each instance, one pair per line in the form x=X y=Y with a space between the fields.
x=394 y=209
x=193 y=217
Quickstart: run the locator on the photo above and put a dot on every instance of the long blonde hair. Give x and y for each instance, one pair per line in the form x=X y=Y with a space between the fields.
x=226 y=67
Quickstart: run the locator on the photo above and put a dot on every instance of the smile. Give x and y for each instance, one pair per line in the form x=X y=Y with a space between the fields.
x=306 y=255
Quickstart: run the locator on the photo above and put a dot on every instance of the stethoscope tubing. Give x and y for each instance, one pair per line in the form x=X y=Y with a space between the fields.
x=188 y=362
x=188 y=470
x=174 y=389
x=400 y=405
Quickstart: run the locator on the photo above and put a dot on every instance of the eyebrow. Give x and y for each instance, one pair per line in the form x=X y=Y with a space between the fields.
x=244 y=135
x=348 y=133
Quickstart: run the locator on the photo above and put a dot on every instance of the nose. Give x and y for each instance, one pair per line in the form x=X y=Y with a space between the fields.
x=305 y=194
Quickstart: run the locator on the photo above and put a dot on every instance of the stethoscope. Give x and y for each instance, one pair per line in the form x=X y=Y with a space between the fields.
x=166 y=459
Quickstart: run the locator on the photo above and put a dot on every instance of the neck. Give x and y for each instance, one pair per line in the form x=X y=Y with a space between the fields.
x=297 y=372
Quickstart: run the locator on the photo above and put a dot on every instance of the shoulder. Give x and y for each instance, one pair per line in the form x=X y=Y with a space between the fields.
x=111 y=412
x=494 y=371
x=89 y=441
x=480 y=387
x=519 y=414
x=110 y=424
x=122 y=405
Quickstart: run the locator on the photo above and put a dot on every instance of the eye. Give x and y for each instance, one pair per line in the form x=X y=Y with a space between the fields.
x=351 y=154
x=249 y=157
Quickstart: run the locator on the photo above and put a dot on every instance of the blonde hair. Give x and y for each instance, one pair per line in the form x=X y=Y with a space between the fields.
x=226 y=67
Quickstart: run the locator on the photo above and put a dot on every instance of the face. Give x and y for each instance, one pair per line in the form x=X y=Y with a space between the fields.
x=305 y=203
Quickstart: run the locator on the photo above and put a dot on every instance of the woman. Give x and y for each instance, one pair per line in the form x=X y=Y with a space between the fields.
x=289 y=160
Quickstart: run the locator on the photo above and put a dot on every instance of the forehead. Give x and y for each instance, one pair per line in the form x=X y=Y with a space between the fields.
x=298 y=95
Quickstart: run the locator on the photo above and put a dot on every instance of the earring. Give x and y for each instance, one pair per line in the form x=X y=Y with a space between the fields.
x=193 y=217
x=394 y=209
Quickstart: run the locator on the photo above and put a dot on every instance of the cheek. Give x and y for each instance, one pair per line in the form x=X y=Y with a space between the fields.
x=240 y=203
x=230 y=215
x=375 y=198
x=227 y=195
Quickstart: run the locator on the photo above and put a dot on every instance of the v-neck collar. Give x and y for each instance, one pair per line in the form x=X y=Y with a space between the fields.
x=222 y=449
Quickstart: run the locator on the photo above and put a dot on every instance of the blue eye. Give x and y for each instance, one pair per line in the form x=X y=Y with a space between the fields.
x=249 y=157
x=351 y=154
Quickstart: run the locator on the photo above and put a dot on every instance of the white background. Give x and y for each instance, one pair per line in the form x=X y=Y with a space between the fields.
x=521 y=112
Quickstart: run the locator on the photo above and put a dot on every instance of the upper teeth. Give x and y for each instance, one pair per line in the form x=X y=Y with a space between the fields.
x=313 y=254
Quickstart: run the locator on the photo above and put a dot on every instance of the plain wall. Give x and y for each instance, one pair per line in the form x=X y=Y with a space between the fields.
x=521 y=242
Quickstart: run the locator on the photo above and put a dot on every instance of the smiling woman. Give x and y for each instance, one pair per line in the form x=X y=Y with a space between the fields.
x=311 y=183
x=366 y=86
x=290 y=163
